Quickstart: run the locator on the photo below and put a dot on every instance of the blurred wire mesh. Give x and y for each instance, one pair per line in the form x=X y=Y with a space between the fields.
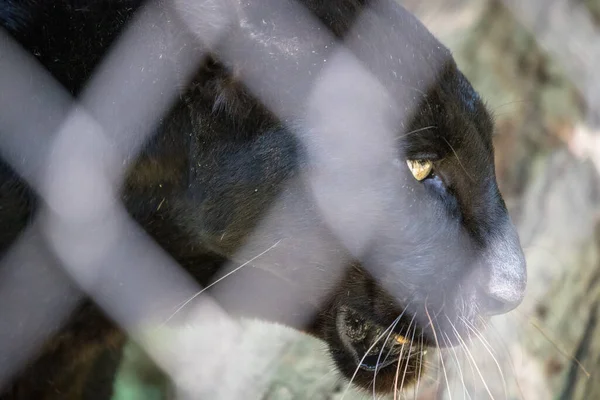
x=79 y=168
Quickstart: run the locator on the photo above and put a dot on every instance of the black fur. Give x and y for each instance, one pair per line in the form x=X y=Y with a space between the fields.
x=220 y=160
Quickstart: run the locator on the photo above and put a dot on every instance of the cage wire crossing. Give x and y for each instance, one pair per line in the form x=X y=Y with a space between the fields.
x=75 y=154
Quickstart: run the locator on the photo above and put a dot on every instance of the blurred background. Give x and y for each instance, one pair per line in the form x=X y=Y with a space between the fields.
x=536 y=64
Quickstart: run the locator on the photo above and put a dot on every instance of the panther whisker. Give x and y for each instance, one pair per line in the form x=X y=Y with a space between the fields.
x=416 y=394
x=406 y=366
x=508 y=103
x=435 y=316
x=438 y=345
x=185 y=303
x=398 y=365
x=485 y=344
x=430 y=366
x=478 y=332
x=470 y=363
x=468 y=352
x=460 y=373
x=397 y=374
x=367 y=352
x=444 y=354
x=458 y=159
x=390 y=350
x=416 y=131
x=393 y=325
x=492 y=329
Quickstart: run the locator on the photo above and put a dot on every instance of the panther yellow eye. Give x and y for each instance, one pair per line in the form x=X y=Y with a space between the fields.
x=420 y=169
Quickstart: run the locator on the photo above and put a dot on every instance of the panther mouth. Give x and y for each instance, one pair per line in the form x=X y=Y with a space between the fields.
x=375 y=347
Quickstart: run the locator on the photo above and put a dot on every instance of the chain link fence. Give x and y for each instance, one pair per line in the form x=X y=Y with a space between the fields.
x=75 y=154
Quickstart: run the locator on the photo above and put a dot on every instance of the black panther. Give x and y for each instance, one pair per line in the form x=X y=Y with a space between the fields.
x=434 y=253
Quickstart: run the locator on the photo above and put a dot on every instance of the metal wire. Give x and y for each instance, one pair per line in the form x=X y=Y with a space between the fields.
x=74 y=153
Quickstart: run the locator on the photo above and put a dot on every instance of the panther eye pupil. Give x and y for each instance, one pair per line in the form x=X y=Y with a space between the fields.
x=420 y=168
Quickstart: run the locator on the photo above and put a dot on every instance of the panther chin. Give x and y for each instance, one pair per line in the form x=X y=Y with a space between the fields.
x=369 y=353
x=394 y=356
x=386 y=356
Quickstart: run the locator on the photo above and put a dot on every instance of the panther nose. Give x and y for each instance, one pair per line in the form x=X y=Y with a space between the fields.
x=504 y=278
x=495 y=302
